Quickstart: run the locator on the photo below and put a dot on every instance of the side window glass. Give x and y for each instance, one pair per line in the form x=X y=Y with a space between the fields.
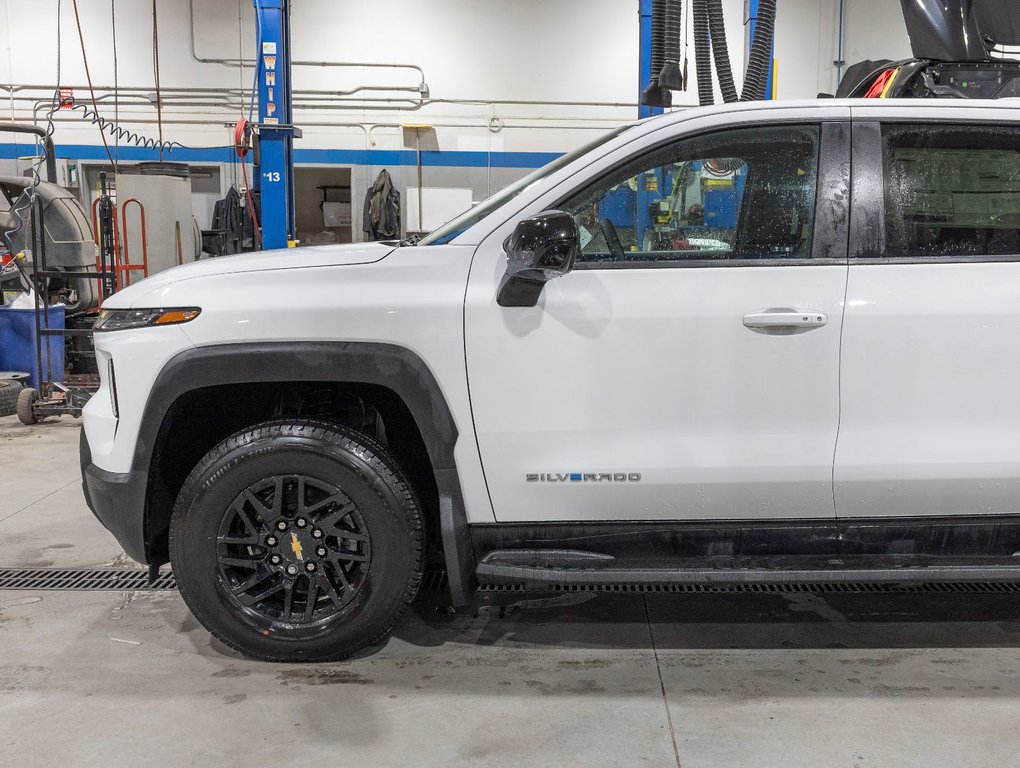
x=736 y=194
x=951 y=191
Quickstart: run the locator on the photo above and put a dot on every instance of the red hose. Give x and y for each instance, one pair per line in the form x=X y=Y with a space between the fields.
x=242 y=137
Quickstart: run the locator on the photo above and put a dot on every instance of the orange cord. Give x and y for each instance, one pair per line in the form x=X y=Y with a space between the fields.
x=880 y=87
x=88 y=77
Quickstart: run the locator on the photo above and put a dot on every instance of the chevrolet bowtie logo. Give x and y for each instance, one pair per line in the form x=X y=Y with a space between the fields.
x=295 y=546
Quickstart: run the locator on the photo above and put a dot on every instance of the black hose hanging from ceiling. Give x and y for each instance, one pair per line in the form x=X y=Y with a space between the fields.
x=723 y=70
x=654 y=95
x=670 y=76
x=760 y=55
x=658 y=35
x=702 y=52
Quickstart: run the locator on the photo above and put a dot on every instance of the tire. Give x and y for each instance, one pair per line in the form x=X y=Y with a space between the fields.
x=244 y=562
x=9 y=391
x=27 y=398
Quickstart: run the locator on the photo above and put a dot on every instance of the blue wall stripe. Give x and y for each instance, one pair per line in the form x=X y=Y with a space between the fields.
x=374 y=157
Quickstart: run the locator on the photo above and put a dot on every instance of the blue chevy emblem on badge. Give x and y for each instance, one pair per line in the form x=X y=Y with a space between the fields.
x=575 y=477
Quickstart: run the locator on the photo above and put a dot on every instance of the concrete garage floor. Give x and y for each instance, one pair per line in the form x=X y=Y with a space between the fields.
x=107 y=678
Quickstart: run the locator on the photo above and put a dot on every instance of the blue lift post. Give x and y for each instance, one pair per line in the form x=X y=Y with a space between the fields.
x=750 y=24
x=275 y=174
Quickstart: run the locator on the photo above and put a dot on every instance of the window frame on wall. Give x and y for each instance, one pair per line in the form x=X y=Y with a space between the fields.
x=830 y=211
x=871 y=193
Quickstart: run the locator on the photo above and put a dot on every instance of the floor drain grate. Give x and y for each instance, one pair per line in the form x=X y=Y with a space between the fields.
x=101 y=579
x=759 y=588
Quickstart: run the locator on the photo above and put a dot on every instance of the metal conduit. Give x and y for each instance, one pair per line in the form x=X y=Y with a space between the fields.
x=297 y=63
x=519 y=122
x=361 y=126
x=143 y=90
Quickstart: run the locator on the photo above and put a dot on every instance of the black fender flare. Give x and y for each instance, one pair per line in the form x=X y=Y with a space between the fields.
x=394 y=367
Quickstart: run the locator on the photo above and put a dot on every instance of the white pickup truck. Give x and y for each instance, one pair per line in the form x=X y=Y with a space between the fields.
x=756 y=342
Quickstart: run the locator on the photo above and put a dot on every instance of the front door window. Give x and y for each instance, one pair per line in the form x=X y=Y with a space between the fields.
x=745 y=194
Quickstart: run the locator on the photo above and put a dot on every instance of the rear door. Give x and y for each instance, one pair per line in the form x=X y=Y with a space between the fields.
x=930 y=354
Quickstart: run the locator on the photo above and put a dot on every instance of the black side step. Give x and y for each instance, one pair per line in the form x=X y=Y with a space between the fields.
x=560 y=567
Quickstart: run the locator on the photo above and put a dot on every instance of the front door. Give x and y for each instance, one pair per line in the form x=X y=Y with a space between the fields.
x=687 y=368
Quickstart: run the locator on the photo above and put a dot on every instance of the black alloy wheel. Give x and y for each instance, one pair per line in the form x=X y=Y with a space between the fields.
x=293 y=549
x=297 y=541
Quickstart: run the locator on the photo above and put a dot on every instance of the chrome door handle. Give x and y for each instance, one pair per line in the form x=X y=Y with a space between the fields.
x=782 y=320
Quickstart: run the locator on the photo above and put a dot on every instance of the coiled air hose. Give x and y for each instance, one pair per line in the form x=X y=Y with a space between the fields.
x=761 y=52
x=120 y=133
x=723 y=70
x=702 y=52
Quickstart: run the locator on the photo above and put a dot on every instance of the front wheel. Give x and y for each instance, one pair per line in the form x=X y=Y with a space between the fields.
x=297 y=541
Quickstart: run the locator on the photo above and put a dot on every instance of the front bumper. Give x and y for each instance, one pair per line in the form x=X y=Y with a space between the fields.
x=117 y=500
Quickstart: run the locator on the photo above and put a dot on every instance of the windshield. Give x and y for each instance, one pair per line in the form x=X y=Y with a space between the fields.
x=473 y=215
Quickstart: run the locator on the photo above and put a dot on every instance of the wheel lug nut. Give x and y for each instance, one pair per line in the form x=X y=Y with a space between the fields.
x=271 y=541
x=275 y=559
x=316 y=534
x=301 y=522
x=310 y=567
x=281 y=526
x=291 y=569
x=321 y=552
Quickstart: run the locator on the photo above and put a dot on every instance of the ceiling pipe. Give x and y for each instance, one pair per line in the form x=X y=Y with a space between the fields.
x=144 y=91
x=331 y=124
x=422 y=86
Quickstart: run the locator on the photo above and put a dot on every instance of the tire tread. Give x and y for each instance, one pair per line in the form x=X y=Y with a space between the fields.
x=341 y=438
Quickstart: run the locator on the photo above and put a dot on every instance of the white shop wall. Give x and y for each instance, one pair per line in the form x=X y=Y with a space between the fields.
x=875 y=30
x=481 y=60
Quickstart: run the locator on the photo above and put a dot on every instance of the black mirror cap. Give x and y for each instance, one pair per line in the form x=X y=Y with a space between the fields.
x=543 y=247
x=540 y=248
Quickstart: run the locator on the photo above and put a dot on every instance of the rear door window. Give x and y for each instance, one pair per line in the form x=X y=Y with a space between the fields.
x=951 y=191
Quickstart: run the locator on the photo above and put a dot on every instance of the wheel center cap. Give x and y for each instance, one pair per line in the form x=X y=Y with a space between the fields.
x=297 y=547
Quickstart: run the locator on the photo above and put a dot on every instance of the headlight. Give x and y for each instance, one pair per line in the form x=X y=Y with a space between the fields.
x=123 y=319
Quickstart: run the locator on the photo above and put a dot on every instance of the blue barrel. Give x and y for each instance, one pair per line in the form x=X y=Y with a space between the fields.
x=17 y=344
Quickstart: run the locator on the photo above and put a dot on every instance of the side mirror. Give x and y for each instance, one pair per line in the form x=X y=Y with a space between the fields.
x=540 y=248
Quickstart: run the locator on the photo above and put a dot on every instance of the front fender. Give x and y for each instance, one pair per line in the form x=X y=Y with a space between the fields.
x=396 y=368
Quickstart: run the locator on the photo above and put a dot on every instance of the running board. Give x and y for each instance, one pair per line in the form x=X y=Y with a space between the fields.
x=545 y=567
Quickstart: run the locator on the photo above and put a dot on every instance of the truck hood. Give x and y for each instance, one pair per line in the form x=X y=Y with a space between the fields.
x=956 y=30
x=263 y=261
